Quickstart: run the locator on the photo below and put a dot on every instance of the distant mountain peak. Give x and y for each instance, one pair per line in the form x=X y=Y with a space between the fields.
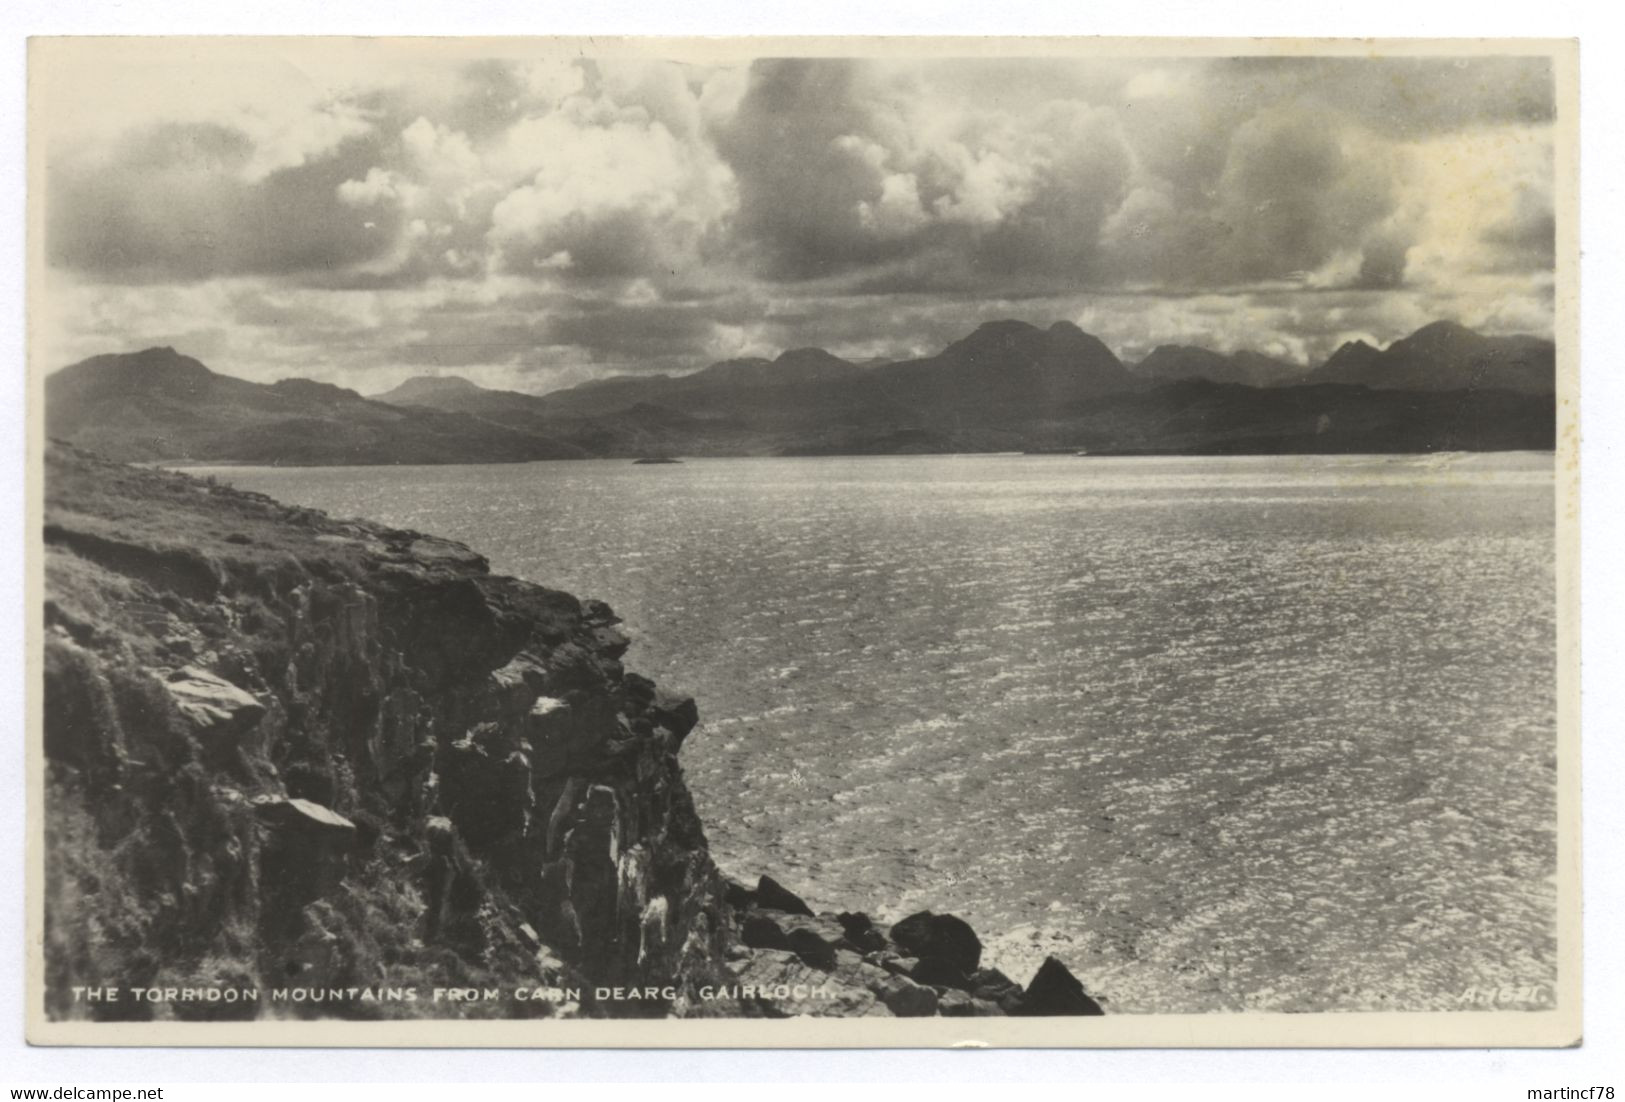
x=1441 y=338
x=159 y=369
x=1445 y=355
x=1064 y=334
x=159 y=356
x=1443 y=328
x=159 y=404
x=996 y=338
x=425 y=386
x=448 y=382
x=1174 y=362
x=1003 y=327
x=311 y=389
x=1354 y=352
x=793 y=355
x=1166 y=351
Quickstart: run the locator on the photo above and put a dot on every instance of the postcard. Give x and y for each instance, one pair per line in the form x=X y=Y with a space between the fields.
x=803 y=542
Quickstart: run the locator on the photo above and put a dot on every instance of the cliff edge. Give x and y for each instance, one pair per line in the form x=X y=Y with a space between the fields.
x=304 y=767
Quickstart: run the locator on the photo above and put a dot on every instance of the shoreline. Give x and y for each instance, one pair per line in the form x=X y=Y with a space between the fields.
x=224 y=464
x=394 y=743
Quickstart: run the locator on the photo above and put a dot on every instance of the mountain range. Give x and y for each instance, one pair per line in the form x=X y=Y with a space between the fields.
x=1445 y=356
x=161 y=405
x=1173 y=362
x=1006 y=386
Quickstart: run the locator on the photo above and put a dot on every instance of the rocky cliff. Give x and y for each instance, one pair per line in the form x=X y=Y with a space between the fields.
x=297 y=766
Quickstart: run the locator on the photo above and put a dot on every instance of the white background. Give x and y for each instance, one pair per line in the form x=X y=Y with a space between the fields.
x=1476 y=1074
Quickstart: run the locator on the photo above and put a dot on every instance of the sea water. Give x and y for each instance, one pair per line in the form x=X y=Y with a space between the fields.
x=1224 y=734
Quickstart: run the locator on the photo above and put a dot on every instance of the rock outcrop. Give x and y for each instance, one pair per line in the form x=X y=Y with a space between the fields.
x=926 y=964
x=356 y=764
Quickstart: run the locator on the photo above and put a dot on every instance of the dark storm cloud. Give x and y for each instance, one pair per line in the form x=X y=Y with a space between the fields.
x=1291 y=196
x=170 y=203
x=800 y=186
x=1287 y=198
x=1221 y=173
x=1526 y=239
x=839 y=170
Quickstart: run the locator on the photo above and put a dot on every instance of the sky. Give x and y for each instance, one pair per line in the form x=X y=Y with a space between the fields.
x=533 y=217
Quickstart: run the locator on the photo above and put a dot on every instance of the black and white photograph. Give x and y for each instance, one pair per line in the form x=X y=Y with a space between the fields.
x=648 y=542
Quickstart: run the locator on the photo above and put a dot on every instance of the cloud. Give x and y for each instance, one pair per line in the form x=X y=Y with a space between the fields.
x=1292 y=193
x=1483 y=203
x=1526 y=238
x=1382 y=261
x=545 y=217
x=800 y=146
x=175 y=201
x=844 y=168
x=617 y=195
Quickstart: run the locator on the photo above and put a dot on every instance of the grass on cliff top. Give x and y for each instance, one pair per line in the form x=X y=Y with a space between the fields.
x=135 y=556
x=163 y=510
x=127 y=547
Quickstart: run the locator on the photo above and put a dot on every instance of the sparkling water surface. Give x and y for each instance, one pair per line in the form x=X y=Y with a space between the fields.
x=1224 y=734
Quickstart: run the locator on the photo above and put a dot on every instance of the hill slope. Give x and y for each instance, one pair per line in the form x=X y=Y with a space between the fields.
x=161 y=405
x=1170 y=363
x=1446 y=356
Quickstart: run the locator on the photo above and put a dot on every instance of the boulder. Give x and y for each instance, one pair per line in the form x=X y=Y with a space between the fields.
x=990 y=983
x=515 y=687
x=938 y=973
x=852 y=970
x=861 y=932
x=955 y=1004
x=807 y=944
x=947 y=938
x=776 y=975
x=736 y=895
x=306 y=816
x=610 y=641
x=1055 y=991
x=814 y=939
x=773 y=896
x=639 y=689
x=675 y=712
x=896 y=965
x=905 y=998
x=307 y=847
x=761 y=931
x=213 y=705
